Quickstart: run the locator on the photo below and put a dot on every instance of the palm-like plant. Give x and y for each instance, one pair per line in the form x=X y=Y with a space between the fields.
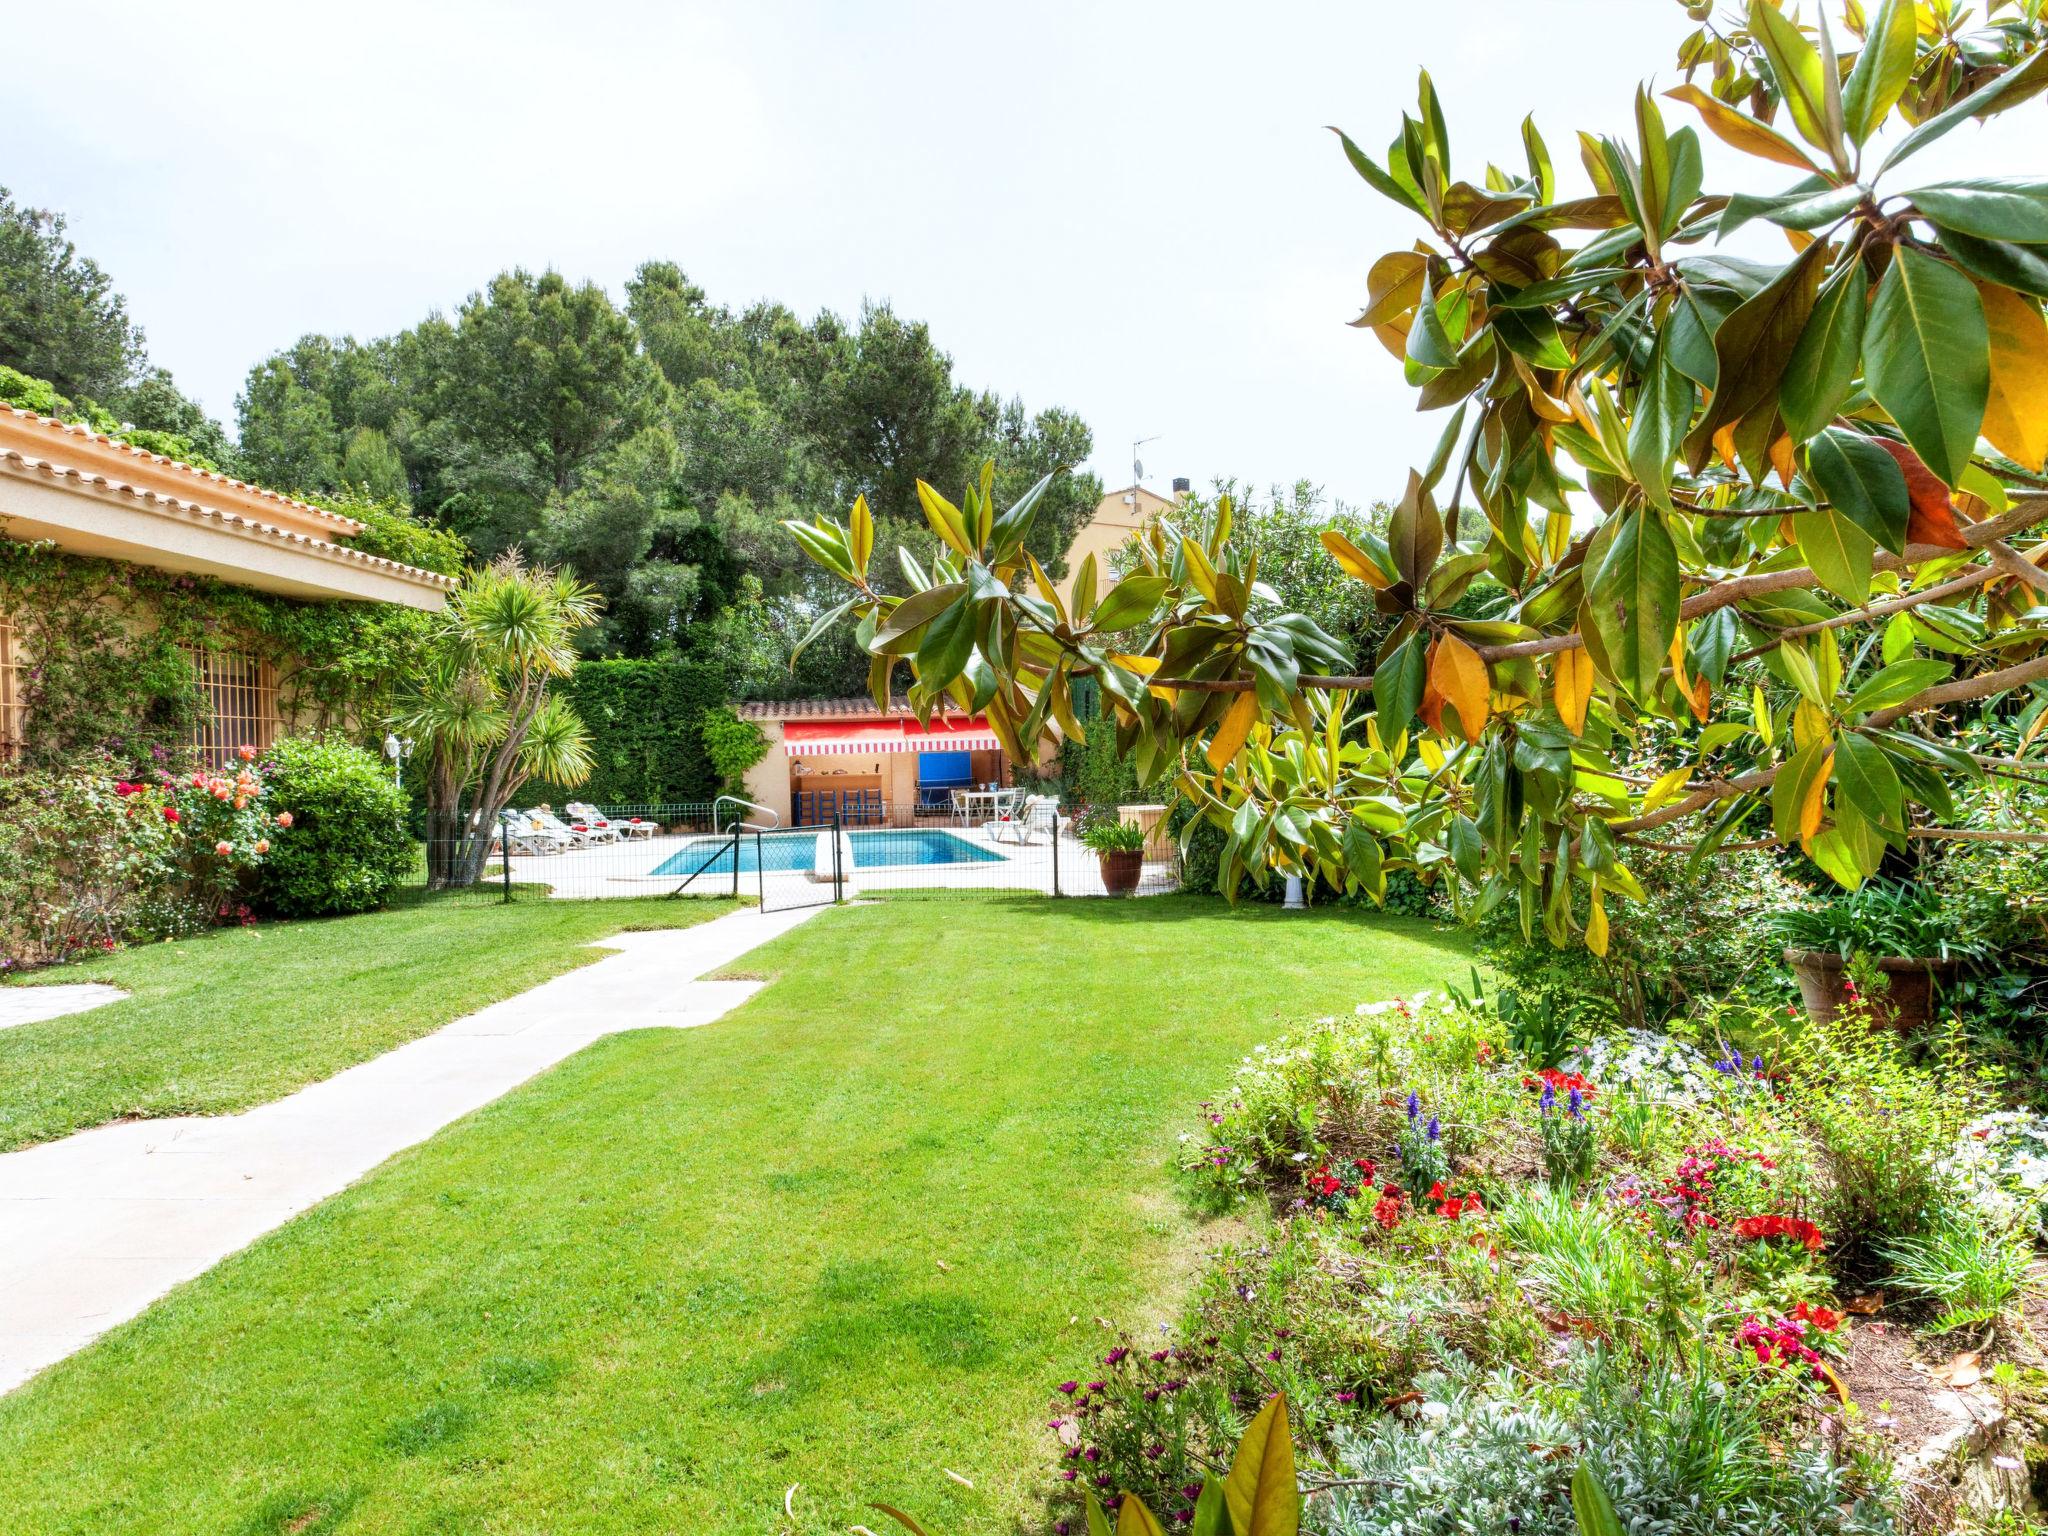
x=483 y=711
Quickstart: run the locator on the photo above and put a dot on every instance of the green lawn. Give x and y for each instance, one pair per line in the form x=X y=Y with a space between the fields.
x=845 y=1238
x=246 y=1015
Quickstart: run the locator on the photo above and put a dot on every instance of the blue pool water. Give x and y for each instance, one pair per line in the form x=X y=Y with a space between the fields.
x=791 y=852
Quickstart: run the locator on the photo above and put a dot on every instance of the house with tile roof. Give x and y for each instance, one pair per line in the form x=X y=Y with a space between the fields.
x=871 y=765
x=84 y=493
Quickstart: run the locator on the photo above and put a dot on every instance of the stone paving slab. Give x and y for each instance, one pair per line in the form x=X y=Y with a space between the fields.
x=30 y=1005
x=95 y=1227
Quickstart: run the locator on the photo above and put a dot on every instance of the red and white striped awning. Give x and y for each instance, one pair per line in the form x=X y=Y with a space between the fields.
x=872 y=738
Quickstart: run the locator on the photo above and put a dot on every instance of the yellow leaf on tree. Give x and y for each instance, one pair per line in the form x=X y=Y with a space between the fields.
x=1666 y=788
x=1596 y=924
x=1814 y=806
x=1724 y=445
x=1354 y=561
x=1457 y=673
x=2016 y=414
x=1232 y=730
x=1782 y=460
x=1144 y=666
x=1572 y=688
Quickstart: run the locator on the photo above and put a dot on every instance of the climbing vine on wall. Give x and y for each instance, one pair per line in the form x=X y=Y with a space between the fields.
x=107 y=654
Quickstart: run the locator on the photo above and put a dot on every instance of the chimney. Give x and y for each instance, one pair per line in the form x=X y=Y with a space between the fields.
x=1181 y=486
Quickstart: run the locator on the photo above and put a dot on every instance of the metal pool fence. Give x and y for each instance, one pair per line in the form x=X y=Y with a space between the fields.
x=699 y=849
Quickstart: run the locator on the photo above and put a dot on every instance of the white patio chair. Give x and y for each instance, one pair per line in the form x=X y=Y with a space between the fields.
x=602 y=828
x=548 y=821
x=521 y=836
x=1039 y=818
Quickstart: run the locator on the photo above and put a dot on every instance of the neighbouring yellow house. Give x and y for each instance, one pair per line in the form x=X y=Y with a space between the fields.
x=88 y=494
x=1117 y=516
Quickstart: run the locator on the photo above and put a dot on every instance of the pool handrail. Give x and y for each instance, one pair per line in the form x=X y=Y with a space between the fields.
x=774 y=817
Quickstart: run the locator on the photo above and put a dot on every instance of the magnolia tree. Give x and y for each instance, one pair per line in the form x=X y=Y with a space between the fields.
x=1749 y=555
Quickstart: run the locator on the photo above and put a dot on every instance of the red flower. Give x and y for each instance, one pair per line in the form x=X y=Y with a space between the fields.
x=1561 y=1083
x=1800 y=1230
x=171 y=813
x=1366 y=1168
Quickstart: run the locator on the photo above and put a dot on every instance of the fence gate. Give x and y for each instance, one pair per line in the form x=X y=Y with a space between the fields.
x=791 y=867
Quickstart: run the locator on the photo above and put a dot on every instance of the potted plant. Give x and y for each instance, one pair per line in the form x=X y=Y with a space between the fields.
x=1120 y=849
x=1903 y=929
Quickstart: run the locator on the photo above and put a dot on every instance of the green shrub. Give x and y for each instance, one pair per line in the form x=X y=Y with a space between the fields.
x=1676 y=1449
x=1701 y=934
x=733 y=746
x=646 y=724
x=348 y=846
x=1882 y=1128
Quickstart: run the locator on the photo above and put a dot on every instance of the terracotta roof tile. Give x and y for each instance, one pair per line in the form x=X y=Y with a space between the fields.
x=862 y=708
x=20 y=463
x=342 y=525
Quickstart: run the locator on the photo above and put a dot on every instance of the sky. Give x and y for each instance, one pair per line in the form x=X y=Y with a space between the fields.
x=1130 y=210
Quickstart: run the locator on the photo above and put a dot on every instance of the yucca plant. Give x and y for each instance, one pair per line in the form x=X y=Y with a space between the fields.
x=482 y=709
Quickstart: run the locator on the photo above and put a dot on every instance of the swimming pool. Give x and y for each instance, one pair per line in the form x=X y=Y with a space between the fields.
x=793 y=852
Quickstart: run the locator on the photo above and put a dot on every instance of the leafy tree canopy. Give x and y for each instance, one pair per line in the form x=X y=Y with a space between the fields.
x=63 y=323
x=1750 y=520
x=654 y=451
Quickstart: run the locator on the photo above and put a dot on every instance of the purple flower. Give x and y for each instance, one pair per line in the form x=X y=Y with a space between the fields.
x=1546 y=1101
x=1115 y=1356
x=1575 y=1106
x=1414 y=1107
x=1434 y=1130
x=1070 y=1387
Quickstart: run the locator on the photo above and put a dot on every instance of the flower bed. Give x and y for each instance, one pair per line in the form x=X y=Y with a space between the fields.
x=88 y=859
x=1656 y=1259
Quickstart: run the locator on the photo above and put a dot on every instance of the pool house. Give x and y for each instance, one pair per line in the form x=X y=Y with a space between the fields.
x=873 y=768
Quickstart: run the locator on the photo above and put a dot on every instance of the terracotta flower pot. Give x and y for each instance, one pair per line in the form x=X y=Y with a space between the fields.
x=1122 y=871
x=1906 y=1005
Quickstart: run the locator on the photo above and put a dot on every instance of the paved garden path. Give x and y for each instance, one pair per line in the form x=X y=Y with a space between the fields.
x=95 y=1227
x=30 y=1005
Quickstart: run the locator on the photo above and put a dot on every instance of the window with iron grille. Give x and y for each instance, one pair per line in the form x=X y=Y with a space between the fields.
x=12 y=707
x=239 y=705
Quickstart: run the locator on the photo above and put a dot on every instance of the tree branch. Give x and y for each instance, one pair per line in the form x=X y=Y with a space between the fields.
x=1956 y=691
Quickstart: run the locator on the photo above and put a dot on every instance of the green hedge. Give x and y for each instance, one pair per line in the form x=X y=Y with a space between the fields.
x=646 y=738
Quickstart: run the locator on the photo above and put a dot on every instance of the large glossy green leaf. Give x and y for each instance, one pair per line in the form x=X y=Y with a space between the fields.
x=948 y=640
x=1754 y=344
x=1415 y=533
x=1801 y=77
x=2020 y=267
x=1129 y=602
x=1591 y=1507
x=1881 y=69
x=1866 y=776
x=1428 y=342
x=1862 y=482
x=1839 y=551
x=1378 y=179
x=1212 y=1511
x=1927 y=358
x=2008 y=90
x=918 y=608
x=1664 y=404
x=1822 y=368
x=1809 y=209
x=1896 y=683
x=1397 y=685
x=1632 y=596
x=1992 y=208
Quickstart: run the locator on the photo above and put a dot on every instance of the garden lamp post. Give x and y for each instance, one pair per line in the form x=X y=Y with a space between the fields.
x=398 y=750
